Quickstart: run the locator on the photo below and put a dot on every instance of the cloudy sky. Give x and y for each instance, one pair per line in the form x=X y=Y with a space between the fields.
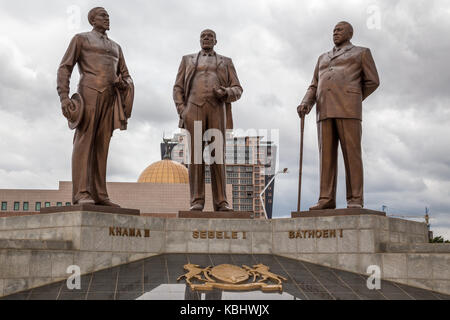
x=274 y=46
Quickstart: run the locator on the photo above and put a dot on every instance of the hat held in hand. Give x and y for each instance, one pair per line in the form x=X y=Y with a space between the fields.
x=75 y=111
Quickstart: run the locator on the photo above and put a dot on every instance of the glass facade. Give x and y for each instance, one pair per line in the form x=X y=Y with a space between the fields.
x=250 y=163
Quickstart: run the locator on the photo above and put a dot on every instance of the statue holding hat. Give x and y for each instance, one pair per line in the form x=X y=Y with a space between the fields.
x=103 y=103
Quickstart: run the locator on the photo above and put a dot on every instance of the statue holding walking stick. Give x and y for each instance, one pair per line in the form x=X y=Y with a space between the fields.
x=343 y=78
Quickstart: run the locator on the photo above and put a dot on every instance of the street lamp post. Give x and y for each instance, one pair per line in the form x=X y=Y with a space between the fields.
x=285 y=170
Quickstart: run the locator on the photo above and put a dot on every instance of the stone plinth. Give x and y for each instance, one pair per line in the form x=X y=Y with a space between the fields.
x=38 y=249
x=91 y=208
x=336 y=213
x=216 y=215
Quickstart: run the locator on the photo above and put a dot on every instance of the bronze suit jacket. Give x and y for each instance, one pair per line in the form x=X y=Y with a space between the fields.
x=227 y=76
x=341 y=81
x=101 y=64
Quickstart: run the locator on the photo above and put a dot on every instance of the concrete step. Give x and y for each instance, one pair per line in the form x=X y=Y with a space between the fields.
x=35 y=244
x=415 y=247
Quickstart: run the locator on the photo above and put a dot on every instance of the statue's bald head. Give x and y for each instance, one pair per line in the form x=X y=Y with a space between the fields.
x=347 y=25
x=208 y=31
x=208 y=39
x=343 y=32
x=93 y=13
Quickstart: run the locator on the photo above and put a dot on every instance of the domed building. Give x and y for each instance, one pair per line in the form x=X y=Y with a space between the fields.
x=161 y=191
x=165 y=171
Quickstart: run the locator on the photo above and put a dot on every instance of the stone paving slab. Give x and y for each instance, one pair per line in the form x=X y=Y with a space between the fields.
x=35 y=244
x=416 y=247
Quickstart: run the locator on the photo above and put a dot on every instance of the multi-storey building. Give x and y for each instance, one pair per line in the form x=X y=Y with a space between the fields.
x=251 y=163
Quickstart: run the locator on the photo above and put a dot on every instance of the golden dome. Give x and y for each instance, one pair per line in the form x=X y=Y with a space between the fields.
x=165 y=171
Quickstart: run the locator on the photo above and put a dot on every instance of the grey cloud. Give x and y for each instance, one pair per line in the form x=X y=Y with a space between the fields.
x=274 y=46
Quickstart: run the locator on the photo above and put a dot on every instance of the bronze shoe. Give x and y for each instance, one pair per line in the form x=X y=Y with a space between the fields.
x=108 y=203
x=354 y=206
x=85 y=201
x=225 y=208
x=323 y=205
x=197 y=207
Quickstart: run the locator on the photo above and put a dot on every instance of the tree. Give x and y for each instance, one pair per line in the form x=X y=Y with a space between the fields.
x=439 y=239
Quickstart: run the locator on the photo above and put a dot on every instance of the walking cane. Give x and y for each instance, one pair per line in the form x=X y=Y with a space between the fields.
x=302 y=131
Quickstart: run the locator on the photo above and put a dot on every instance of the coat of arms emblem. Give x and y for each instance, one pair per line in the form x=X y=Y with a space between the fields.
x=231 y=277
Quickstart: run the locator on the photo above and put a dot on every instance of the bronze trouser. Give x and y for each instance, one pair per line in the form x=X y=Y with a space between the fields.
x=91 y=145
x=348 y=133
x=211 y=115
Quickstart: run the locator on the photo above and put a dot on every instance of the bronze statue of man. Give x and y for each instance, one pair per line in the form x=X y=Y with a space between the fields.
x=103 y=103
x=205 y=86
x=343 y=78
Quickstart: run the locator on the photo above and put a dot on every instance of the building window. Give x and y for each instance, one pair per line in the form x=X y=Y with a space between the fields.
x=38 y=206
x=25 y=206
x=47 y=204
x=246 y=208
x=4 y=206
x=68 y=204
x=59 y=204
x=16 y=206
